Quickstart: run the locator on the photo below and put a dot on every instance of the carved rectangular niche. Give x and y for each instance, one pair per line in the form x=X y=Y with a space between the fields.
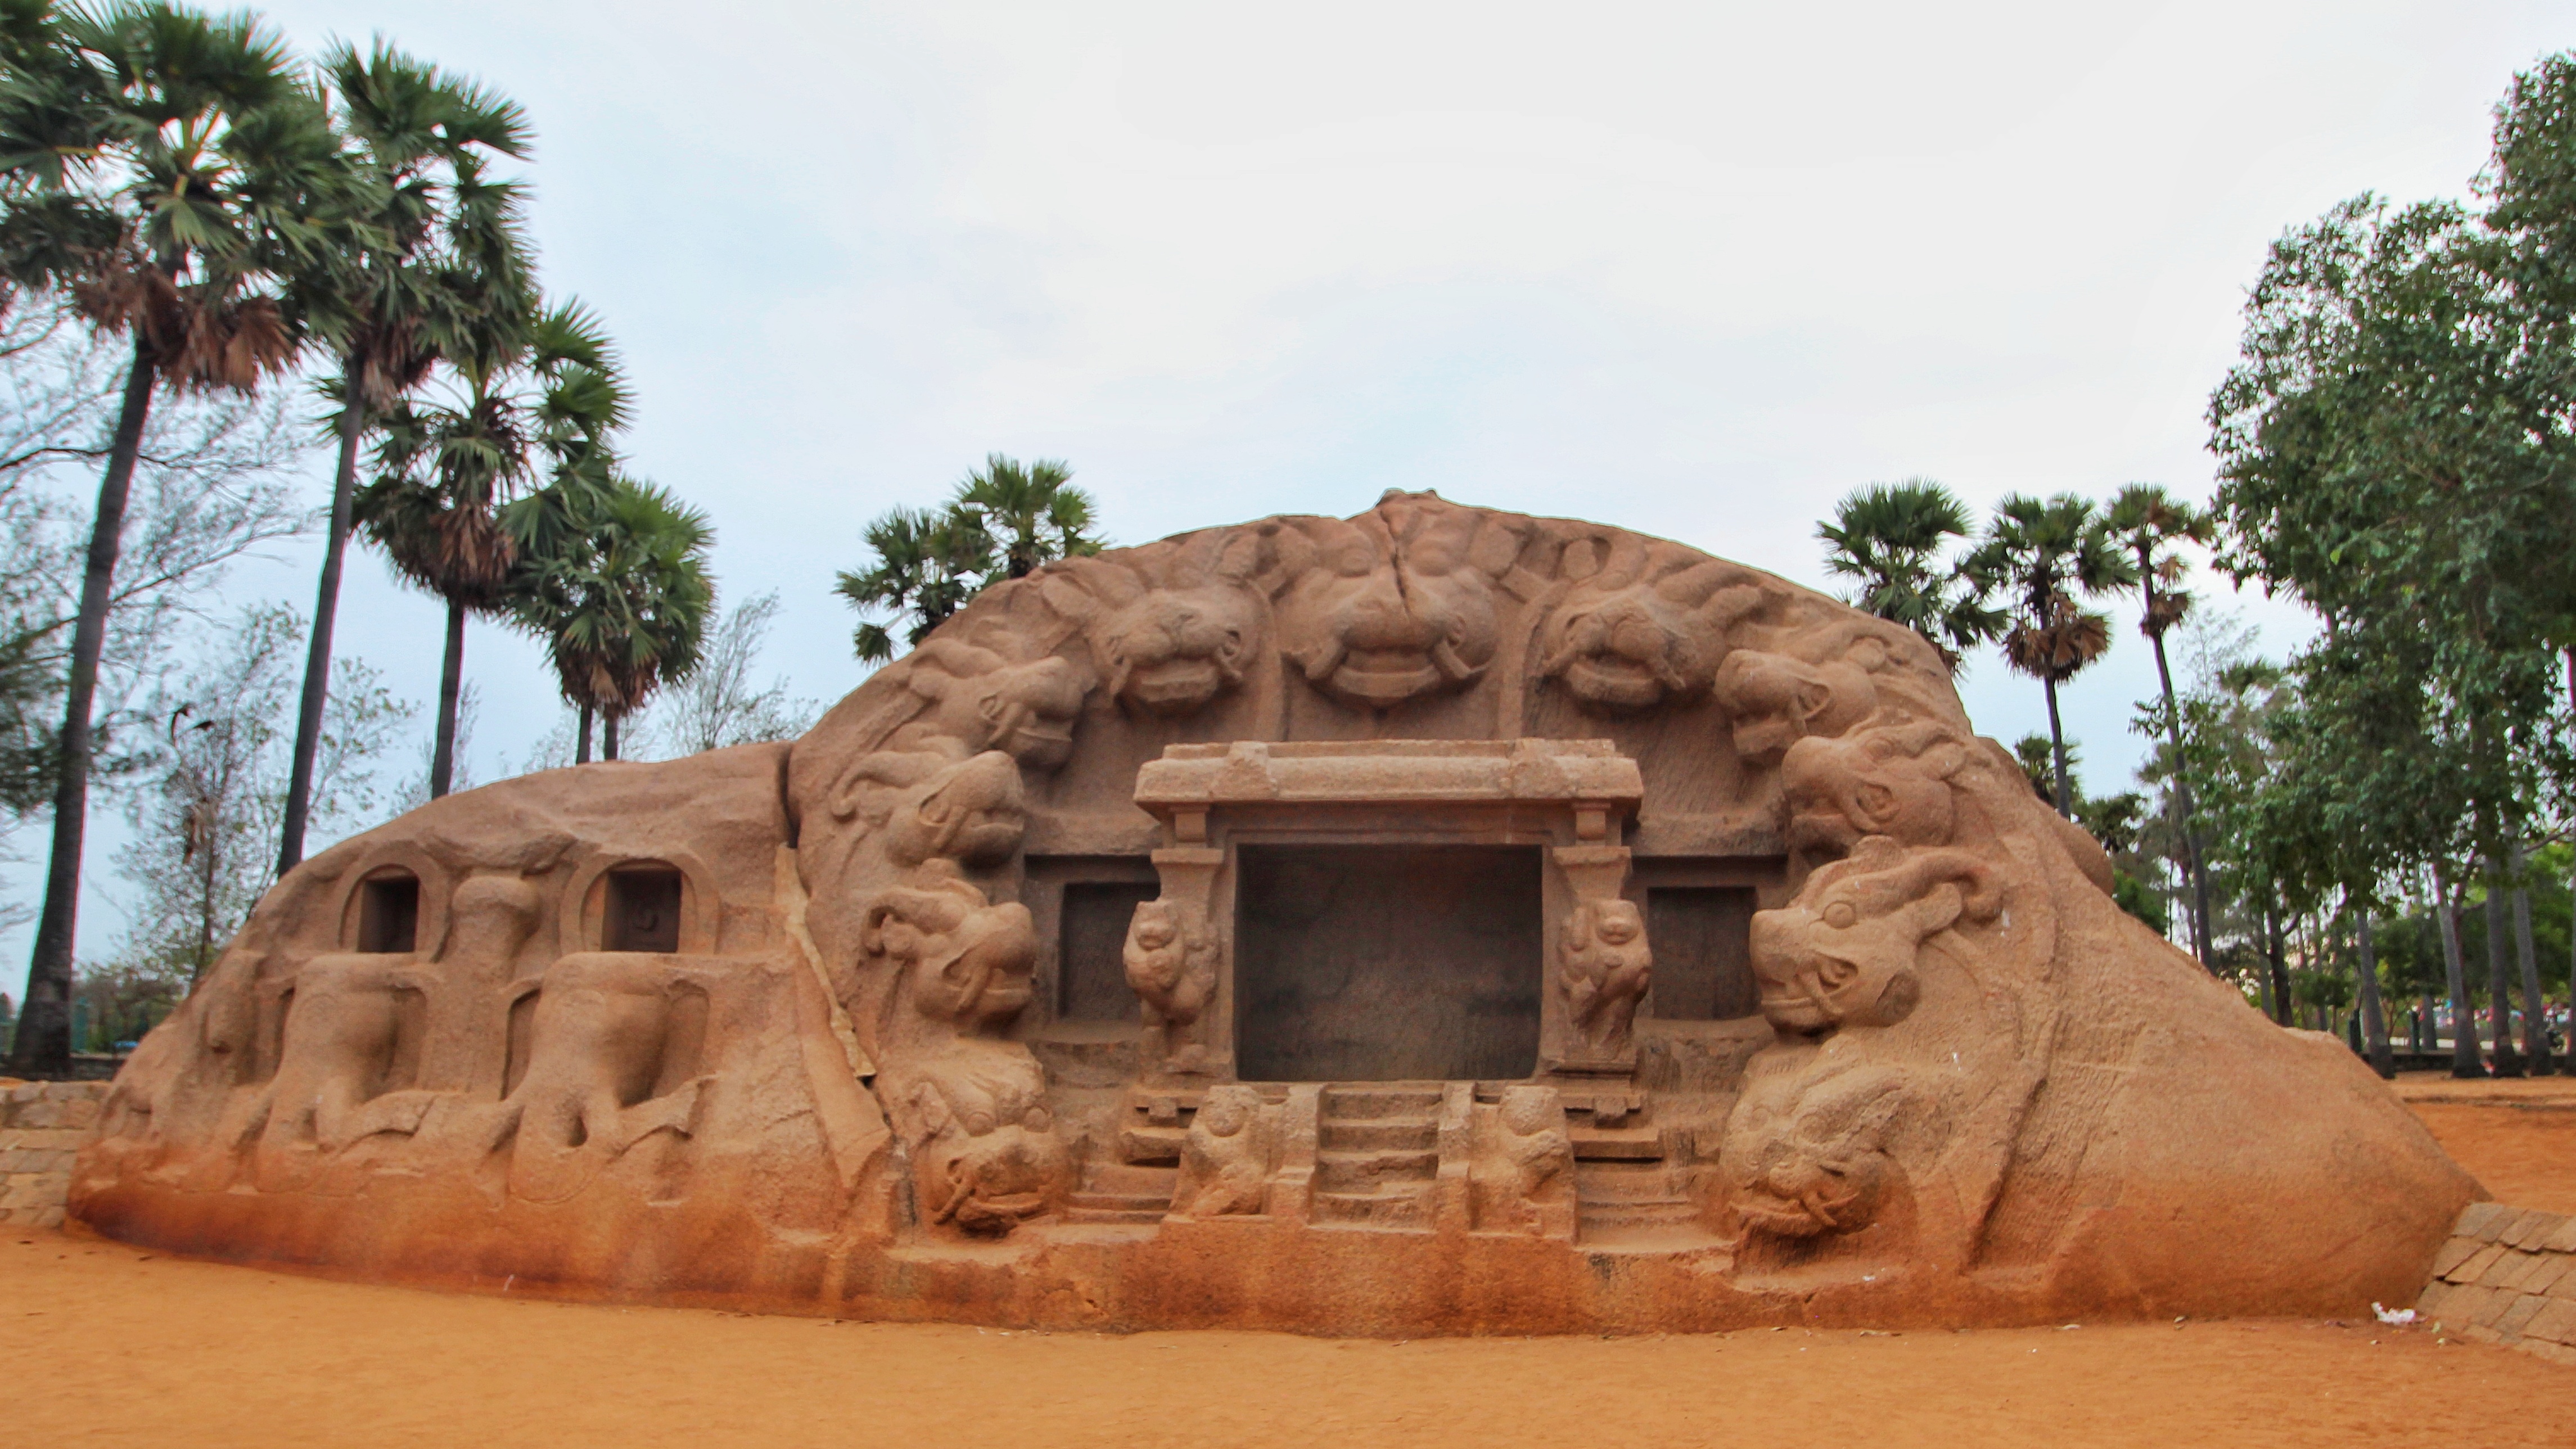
x=389 y=913
x=1081 y=905
x=1091 y=975
x=1703 y=953
x=1387 y=962
x=643 y=909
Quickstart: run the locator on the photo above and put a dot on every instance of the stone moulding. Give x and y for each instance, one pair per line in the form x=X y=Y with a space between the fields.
x=1755 y=988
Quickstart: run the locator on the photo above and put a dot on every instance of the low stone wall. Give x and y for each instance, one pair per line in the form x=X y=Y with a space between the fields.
x=2508 y=1276
x=42 y=1127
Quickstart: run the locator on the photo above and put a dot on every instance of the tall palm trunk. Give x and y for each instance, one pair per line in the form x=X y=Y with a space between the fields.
x=2508 y=1062
x=2182 y=799
x=2057 y=748
x=2374 y=1017
x=451 y=681
x=2455 y=978
x=608 y=737
x=581 y=740
x=44 y=1042
x=326 y=613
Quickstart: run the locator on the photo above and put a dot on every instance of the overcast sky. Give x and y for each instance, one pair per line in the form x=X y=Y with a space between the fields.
x=1692 y=269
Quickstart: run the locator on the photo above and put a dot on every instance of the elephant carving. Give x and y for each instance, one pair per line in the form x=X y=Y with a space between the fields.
x=615 y=1057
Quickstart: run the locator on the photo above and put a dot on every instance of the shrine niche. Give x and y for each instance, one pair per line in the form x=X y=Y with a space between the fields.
x=1437 y=920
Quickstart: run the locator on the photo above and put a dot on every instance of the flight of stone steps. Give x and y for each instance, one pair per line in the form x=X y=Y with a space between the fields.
x=1623 y=1182
x=1377 y=1158
x=1123 y=1192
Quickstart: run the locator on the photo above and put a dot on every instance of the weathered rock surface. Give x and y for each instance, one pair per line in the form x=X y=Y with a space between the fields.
x=1623 y=938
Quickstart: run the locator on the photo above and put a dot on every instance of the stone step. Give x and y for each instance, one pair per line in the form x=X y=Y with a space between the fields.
x=1362 y=1171
x=1673 y=1214
x=1150 y=1144
x=1382 y=1101
x=1129 y=1179
x=1385 y=1134
x=1616 y=1144
x=1078 y=1211
x=1618 y=1182
x=1391 y=1207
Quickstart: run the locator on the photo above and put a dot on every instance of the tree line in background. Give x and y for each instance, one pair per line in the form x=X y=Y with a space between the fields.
x=2363 y=821
x=191 y=217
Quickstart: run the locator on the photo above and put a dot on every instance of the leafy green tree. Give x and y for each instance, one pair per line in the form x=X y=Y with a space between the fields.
x=159 y=167
x=1005 y=521
x=1889 y=539
x=2148 y=522
x=426 y=259
x=2045 y=556
x=2395 y=453
x=544 y=402
x=197 y=859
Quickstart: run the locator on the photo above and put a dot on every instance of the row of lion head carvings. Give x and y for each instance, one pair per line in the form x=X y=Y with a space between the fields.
x=1413 y=600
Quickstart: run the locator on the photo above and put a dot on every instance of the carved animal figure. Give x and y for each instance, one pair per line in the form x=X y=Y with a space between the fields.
x=1225 y=1157
x=1606 y=965
x=1397 y=606
x=956 y=958
x=1647 y=628
x=925 y=806
x=1173 y=970
x=349 y=1060
x=1843 y=953
x=1173 y=646
x=1919 y=783
x=1775 y=700
x=612 y=1060
x=961 y=699
x=1805 y=1156
x=985 y=1154
x=1537 y=1145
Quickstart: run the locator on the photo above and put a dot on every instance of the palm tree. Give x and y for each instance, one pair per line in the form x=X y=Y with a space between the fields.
x=447 y=469
x=2045 y=554
x=927 y=565
x=2148 y=522
x=1888 y=537
x=614 y=580
x=1032 y=512
x=1006 y=521
x=158 y=166
x=429 y=262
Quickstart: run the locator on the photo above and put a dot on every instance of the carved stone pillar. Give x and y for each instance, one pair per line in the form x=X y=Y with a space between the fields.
x=1601 y=963
x=1175 y=960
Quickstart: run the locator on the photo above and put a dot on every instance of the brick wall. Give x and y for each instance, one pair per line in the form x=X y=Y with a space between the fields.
x=2508 y=1276
x=42 y=1126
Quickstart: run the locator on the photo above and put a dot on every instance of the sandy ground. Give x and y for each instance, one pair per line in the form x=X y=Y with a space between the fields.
x=102 y=1344
x=2517 y=1135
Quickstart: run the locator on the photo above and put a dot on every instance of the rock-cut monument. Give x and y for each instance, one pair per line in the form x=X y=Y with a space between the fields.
x=1439 y=920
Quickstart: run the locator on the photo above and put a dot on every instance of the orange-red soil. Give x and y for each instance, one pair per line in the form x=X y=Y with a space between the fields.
x=102 y=1344
x=2517 y=1136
